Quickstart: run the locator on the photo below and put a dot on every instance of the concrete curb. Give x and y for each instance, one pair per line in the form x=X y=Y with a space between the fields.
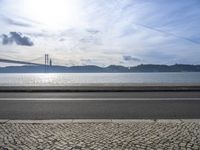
x=170 y=121
x=132 y=120
x=102 y=121
x=40 y=121
x=102 y=88
x=91 y=120
x=191 y=120
x=3 y=121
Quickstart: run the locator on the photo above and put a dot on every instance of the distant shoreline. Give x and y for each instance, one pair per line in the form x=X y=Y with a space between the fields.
x=147 y=68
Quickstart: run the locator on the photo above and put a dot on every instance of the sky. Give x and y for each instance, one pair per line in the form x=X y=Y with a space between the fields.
x=101 y=32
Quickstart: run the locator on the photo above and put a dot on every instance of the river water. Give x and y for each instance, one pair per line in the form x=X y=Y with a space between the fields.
x=67 y=79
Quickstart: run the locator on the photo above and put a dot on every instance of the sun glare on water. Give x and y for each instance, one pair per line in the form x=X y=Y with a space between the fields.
x=54 y=14
x=45 y=79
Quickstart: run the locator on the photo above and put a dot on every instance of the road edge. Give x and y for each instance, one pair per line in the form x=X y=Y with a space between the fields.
x=5 y=121
x=102 y=88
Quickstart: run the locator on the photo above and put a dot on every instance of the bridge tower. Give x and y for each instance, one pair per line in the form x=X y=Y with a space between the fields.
x=46 y=59
x=50 y=62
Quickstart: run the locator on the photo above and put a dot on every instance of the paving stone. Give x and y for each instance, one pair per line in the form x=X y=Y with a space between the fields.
x=100 y=135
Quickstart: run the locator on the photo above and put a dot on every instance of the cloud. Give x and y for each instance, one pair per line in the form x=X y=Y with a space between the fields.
x=86 y=61
x=62 y=39
x=18 y=38
x=6 y=40
x=16 y=22
x=131 y=58
x=92 y=31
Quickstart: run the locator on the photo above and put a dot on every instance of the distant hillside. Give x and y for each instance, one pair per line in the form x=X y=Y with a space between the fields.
x=166 y=68
x=97 y=69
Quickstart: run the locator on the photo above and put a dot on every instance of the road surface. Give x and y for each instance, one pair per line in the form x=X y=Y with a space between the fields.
x=100 y=105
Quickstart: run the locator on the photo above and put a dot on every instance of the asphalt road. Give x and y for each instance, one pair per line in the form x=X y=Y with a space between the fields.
x=100 y=105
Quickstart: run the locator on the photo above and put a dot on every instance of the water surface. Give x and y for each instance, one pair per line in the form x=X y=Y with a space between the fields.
x=66 y=79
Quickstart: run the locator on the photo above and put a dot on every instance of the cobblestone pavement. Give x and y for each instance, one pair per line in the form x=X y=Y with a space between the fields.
x=100 y=135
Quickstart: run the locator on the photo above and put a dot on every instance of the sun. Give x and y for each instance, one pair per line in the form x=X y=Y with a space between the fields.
x=54 y=14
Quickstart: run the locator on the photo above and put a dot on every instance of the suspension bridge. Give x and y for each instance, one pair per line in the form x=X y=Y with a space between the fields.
x=47 y=61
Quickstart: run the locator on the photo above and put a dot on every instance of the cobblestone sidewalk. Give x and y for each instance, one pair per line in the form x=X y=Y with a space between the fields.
x=100 y=135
